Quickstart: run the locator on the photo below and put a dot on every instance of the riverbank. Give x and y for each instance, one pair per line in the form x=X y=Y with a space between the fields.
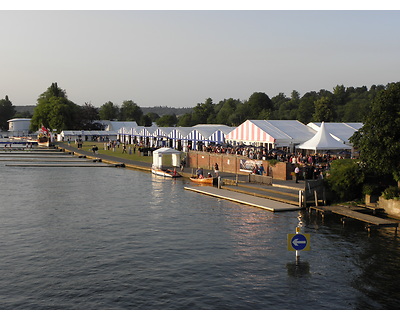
x=144 y=163
x=283 y=191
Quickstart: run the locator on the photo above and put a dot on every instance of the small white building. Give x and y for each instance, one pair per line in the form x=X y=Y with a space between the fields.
x=19 y=127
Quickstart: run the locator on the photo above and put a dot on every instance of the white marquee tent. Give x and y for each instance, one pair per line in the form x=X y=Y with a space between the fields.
x=341 y=131
x=323 y=140
x=159 y=153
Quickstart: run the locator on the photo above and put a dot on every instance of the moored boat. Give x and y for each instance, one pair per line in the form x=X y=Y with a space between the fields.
x=207 y=180
x=165 y=172
x=43 y=139
x=157 y=167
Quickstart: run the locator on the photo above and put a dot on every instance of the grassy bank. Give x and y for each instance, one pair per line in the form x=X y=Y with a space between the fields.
x=135 y=156
x=87 y=146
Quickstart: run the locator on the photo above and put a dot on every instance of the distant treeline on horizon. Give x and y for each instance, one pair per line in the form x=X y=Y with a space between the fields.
x=342 y=104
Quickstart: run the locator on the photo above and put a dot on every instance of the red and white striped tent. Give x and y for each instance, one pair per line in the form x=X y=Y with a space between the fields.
x=270 y=133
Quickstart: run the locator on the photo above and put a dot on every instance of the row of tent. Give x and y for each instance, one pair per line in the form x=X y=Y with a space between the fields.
x=271 y=134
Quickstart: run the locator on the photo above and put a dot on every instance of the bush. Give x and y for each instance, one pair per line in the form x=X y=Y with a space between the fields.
x=273 y=162
x=345 y=179
x=369 y=188
x=392 y=192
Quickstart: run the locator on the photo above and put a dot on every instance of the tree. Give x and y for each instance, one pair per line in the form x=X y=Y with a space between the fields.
x=7 y=111
x=145 y=121
x=345 y=179
x=277 y=102
x=185 y=120
x=379 y=139
x=202 y=112
x=153 y=116
x=323 y=110
x=258 y=102
x=54 y=111
x=87 y=116
x=228 y=108
x=167 y=120
x=109 y=111
x=130 y=111
x=339 y=95
x=306 y=107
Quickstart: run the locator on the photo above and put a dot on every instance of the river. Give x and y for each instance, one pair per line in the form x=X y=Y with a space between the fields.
x=107 y=238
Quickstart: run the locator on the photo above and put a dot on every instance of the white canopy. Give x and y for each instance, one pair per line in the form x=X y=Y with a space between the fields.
x=158 y=154
x=323 y=140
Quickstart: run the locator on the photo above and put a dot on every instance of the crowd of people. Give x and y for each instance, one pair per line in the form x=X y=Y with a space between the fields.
x=306 y=166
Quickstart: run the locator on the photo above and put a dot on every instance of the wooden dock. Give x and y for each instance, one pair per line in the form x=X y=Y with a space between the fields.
x=263 y=203
x=372 y=222
x=64 y=164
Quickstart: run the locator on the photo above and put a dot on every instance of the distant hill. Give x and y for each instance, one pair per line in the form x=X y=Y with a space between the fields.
x=161 y=111
x=25 y=108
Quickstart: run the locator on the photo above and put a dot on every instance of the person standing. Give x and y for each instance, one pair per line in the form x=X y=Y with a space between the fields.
x=296 y=173
x=216 y=169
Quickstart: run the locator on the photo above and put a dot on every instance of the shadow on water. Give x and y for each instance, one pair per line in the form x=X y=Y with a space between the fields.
x=298 y=269
x=372 y=259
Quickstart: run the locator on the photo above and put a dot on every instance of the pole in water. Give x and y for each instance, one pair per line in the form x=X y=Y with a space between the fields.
x=297 y=251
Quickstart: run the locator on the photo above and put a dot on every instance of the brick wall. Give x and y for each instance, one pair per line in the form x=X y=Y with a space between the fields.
x=231 y=164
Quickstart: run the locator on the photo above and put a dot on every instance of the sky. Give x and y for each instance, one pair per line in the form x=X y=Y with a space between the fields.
x=179 y=58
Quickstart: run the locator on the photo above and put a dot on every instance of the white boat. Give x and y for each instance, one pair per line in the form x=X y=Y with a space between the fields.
x=157 y=167
x=165 y=173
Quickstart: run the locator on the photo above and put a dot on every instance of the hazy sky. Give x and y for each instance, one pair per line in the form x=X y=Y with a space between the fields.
x=180 y=58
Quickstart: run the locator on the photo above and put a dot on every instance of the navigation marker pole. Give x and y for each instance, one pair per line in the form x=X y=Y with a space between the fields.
x=297 y=251
x=298 y=242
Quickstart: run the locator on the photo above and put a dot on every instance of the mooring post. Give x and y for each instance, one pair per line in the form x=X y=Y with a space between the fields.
x=300 y=198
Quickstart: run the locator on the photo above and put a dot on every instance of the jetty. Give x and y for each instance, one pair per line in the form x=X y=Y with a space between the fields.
x=372 y=222
x=63 y=164
x=259 y=202
x=50 y=157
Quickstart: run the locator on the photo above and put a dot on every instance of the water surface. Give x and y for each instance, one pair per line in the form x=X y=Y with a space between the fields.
x=106 y=238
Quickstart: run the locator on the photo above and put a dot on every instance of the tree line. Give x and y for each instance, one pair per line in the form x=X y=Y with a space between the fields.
x=342 y=104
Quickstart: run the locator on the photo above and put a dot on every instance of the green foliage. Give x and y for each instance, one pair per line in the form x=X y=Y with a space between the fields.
x=168 y=120
x=369 y=188
x=86 y=116
x=258 y=102
x=345 y=179
x=153 y=116
x=145 y=121
x=392 y=192
x=7 y=111
x=202 y=112
x=185 y=120
x=323 y=110
x=130 y=111
x=273 y=162
x=379 y=139
x=55 y=111
x=109 y=111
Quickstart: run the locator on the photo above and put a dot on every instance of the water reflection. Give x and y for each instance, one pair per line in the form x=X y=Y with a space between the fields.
x=298 y=269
